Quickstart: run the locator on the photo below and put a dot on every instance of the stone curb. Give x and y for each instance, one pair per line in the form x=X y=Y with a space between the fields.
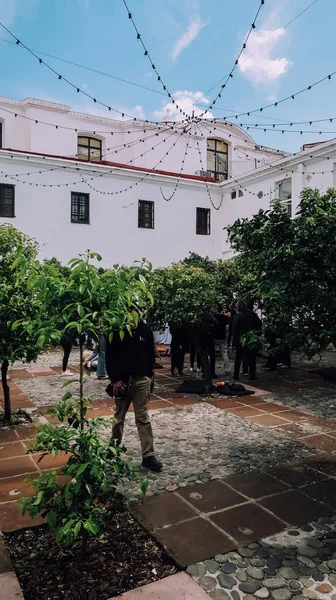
x=9 y=584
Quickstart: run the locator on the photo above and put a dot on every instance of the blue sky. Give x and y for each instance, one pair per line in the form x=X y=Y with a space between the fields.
x=193 y=43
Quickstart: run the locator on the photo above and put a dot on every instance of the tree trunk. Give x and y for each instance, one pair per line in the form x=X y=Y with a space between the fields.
x=205 y=362
x=6 y=391
x=85 y=538
x=81 y=376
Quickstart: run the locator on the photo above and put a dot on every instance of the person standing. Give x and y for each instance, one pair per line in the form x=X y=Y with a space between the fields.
x=178 y=348
x=67 y=341
x=245 y=321
x=130 y=367
x=221 y=335
x=101 y=368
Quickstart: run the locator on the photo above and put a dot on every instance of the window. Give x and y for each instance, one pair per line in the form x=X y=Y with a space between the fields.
x=284 y=192
x=146 y=214
x=240 y=193
x=7 y=200
x=80 y=208
x=233 y=195
x=89 y=149
x=203 y=221
x=0 y=135
x=217 y=159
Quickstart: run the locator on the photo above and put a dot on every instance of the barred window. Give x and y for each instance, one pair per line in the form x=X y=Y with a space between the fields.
x=80 y=208
x=203 y=221
x=7 y=200
x=217 y=159
x=284 y=193
x=89 y=148
x=146 y=214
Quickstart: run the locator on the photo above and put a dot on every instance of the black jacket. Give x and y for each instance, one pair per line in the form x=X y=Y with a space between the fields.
x=134 y=355
x=243 y=323
x=220 y=332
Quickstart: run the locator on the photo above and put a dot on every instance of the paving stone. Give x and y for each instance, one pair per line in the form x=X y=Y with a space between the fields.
x=303 y=570
x=246 y=523
x=241 y=575
x=306 y=561
x=158 y=511
x=293 y=532
x=323 y=569
x=274 y=562
x=226 y=581
x=255 y=573
x=249 y=587
x=294 y=585
x=270 y=572
x=207 y=583
x=290 y=562
x=235 y=595
x=211 y=565
x=324 y=588
x=310 y=594
x=257 y=562
x=214 y=495
x=263 y=553
x=262 y=593
x=282 y=594
x=317 y=575
x=332 y=564
x=245 y=552
x=295 y=508
x=307 y=583
x=221 y=558
x=196 y=570
x=219 y=595
x=332 y=579
x=274 y=583
x=229 y=568
x=288 y=573
x=307 y=551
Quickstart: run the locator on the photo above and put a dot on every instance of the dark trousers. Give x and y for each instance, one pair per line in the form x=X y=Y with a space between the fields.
x=249 y=358
x=194 y=354
x=208 y=344
x=67 y=347
x=176 y=356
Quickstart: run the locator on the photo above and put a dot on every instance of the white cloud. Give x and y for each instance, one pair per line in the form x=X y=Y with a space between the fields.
x=271 y=97
x=185 y=100
x=257 y=63
x=189 y=35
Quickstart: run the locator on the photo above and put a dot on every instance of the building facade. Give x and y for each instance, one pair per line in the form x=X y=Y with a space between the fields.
x=132 y=189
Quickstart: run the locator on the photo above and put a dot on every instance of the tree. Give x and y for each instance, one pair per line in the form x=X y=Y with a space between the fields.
x=292 y=264
x=202 y=262
x=184 y=296
x=18 y=301
x=96 y=303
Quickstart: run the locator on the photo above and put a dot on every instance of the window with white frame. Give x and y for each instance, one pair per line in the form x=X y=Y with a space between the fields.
x=283 y=191
x=217 y=159
x=7 y=200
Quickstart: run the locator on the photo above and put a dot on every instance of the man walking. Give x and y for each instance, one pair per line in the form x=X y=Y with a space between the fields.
x=245 y=321
x=129 y=365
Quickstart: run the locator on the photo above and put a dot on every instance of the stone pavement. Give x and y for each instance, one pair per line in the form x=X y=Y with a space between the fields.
x=236 y=471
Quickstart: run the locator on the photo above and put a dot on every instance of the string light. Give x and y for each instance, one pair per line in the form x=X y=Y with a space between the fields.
x=62 y=78
x=230 y=75
x=146 y=53
x=206 y=183
x=169 y=198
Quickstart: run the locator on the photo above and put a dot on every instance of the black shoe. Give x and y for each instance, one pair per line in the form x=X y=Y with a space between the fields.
x=151 y=463
x=214 y=376
x=245 y=374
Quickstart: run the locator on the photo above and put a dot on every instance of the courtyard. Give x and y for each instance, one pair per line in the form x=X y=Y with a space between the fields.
x=247 y=493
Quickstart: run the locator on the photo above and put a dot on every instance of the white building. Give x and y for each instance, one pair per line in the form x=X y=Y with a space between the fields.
x=132 y=189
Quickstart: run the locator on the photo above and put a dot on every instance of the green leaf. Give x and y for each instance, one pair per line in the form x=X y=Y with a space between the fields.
x=91 y=526
x=52 y=518
x=80 y=311
x=67 y=395
x=77 y=528
x=81 y=469
x=39 y=499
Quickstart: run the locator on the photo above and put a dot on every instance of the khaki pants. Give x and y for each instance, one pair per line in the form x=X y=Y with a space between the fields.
x=138 y=393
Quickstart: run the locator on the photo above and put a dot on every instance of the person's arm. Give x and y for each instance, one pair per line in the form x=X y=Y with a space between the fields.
x=236 y=331
x=151 y=350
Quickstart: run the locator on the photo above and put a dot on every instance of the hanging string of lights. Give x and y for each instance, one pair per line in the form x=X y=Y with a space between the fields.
x=274 y=104
x=180 y=173
x=126 y=189
x=110 y=171
x=70 y=83
x=230 y=75
x=146 y=53
x=206 y=183
x=157 y=125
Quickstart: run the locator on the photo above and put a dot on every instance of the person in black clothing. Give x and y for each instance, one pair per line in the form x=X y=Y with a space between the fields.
x=129 y=365
x=178 y=347
x=220 y=334
x=246 y=320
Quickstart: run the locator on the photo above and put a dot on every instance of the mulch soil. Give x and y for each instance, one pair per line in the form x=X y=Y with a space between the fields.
x=124 y=557
x=19 y=417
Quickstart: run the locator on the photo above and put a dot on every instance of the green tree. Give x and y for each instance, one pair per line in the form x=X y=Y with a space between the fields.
x=18 y=301
x=202 y=262
x=292 y=265
x=184 y=296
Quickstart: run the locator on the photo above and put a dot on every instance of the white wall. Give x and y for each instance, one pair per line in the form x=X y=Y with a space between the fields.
x=44 y=213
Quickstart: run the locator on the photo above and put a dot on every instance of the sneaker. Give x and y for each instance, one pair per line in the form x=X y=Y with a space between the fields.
x=191 y=370
x=245 y=374
x=67 y=373
x=151 y=463
x=199 y=370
